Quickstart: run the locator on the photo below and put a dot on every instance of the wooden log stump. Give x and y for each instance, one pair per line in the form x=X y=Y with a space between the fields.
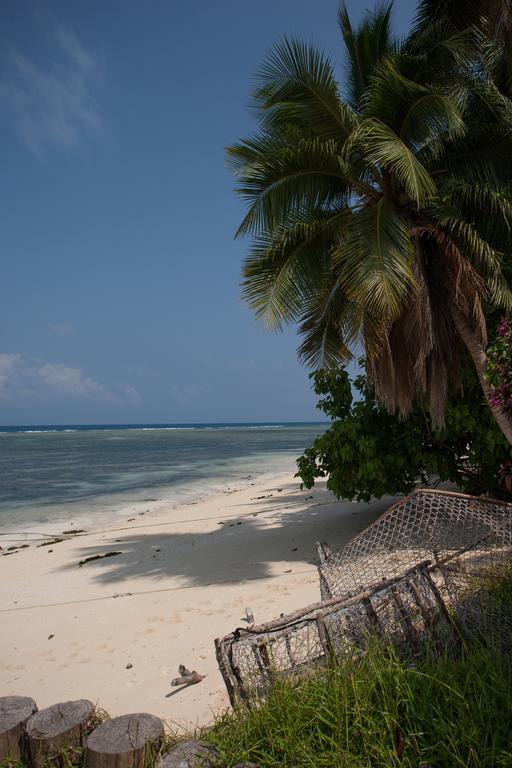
x=14 y=713
x=124 y=742
x=57 y=727
x=188 y=754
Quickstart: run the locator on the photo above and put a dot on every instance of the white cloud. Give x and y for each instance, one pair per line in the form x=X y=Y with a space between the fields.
x=129 y=393
x=52 y=104
x=19 y=377
x=8 y=364
x=66 y=380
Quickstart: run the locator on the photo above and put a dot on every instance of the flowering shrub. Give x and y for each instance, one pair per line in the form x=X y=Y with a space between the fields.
x=499 y=367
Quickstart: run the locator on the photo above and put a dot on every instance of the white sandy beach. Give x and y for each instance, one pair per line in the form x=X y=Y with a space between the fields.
x=181 y=580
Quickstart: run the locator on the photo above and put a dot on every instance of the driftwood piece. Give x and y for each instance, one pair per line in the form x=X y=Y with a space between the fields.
x=186 y=677
x=324 y=552
x=188 y=754
x=14 y=713
x=124 y=742
x=56 y=727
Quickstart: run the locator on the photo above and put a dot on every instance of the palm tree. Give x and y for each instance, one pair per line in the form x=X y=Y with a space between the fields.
x=378 y=218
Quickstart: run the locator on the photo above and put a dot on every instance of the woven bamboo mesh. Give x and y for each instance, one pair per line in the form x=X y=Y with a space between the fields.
x=430 y=559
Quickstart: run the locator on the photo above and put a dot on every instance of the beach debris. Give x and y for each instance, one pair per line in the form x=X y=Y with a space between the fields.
x=249 y=616
x=98 y=557
x=295 y=549
x=50 y=637
x=50 y=542
x=324 y=551
x=14 y=713
x=400 y=608
x=288 y=571
x=239 y=522
x=189 y=754
x=186 y=677
x=56 y=727
x=221 y=522
x=73 y=531
x=130 y=519
x=129 y=665
x=50 y=551
x=124 y=742
x=122 y=594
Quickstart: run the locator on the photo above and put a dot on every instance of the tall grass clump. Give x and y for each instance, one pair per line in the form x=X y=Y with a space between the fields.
x=380 y=712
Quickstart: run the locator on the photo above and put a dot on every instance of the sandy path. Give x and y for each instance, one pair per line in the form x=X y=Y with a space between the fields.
x=182 y=580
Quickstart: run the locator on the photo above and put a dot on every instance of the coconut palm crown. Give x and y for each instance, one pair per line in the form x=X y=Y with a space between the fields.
x=379 y=218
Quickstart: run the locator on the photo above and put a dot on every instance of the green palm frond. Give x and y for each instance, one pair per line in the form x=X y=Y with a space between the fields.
x=489 y=207
x=392 y=90
x=296 y=85
x=282 y=183
x=283 y=270
x=385 y=150
x=328 y=326
x=430 y=121
x=478 y=253
x=375 y=260
x=365 y=46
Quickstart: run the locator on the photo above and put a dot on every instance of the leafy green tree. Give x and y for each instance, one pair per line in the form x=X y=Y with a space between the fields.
x=379 y=218
x=369 y=453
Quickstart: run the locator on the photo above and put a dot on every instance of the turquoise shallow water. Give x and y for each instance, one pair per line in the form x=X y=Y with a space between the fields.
x=60 y=472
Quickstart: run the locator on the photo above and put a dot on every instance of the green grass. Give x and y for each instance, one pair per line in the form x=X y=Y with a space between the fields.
x=381 y=712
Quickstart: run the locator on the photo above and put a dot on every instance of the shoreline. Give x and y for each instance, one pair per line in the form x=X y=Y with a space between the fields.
x=87 y=514
x=184 y=575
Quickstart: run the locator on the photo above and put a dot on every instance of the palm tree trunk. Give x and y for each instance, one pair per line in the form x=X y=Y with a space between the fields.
x=479 y=358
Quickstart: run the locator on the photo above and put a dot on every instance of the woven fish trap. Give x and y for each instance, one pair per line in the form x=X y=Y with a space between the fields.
x=468 y=540
x=398 y=610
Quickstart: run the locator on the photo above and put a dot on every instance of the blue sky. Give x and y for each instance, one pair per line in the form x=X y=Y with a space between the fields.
x=120 y=298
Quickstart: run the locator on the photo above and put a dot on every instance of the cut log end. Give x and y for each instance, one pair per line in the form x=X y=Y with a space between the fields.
x=15 y=711
x=57 y=727
x=124 y=742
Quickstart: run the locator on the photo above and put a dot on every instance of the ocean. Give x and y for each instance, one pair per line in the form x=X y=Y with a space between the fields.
x=55 y=475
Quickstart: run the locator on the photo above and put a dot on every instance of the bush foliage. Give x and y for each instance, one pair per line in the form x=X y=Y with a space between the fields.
x=368 y=452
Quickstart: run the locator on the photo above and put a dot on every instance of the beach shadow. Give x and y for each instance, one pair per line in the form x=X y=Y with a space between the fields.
x=240 y=548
